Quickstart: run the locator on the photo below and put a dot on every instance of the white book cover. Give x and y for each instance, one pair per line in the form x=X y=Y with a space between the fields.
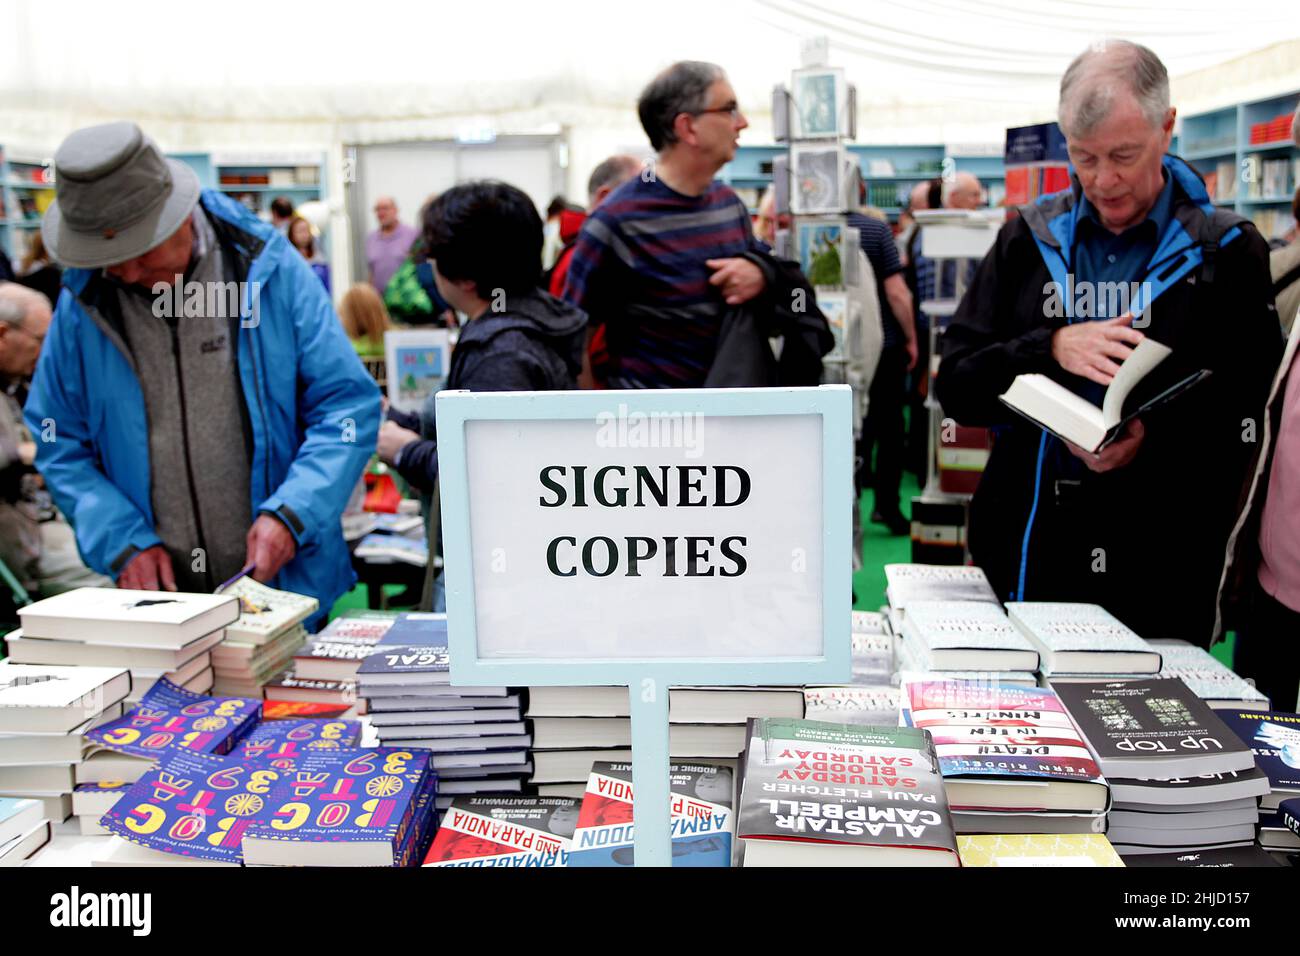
x=876 y=705
x=965 y=625
x=120 y=616
x=1207 y=678
x=870 y=622
x=264 y=611
x=1072 y=635
x=907 y=584
x=35 y=698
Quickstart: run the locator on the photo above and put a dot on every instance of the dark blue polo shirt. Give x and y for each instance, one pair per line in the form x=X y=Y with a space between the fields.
x=1102 y=256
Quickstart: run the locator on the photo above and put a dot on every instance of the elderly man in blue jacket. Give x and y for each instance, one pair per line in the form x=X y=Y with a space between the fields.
x=197 y=404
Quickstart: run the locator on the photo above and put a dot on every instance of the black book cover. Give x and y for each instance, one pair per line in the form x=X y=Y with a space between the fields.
x=1233 y=856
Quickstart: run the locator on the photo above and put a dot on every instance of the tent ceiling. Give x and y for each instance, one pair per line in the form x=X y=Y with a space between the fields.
x=946 y=61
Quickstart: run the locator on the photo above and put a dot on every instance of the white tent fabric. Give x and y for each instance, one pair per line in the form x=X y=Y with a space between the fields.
x=268 y=72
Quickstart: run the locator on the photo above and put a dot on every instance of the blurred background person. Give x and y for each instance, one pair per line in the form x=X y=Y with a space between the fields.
x=303 y=239
x=365 y=320
x=388 y=246
x=282 y=213
x=38 y=271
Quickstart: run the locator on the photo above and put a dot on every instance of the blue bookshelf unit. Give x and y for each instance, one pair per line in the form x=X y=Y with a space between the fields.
x=890 y=172
x=1257 y=180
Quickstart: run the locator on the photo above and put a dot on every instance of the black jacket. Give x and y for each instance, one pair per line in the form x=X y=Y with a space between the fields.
x=1146 y=541
x=787 y=309
x=535 y=345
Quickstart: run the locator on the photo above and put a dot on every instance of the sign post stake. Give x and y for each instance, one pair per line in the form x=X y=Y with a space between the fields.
x=651 y=812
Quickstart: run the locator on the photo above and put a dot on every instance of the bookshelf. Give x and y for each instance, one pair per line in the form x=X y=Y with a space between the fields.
x=26 y=186
x=890 y=172
x=1246 y=155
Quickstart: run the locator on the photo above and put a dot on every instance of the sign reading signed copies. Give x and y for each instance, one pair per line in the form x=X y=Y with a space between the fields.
x=676 y=524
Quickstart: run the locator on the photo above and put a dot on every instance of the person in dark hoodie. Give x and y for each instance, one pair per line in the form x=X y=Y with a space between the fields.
x=485 y=241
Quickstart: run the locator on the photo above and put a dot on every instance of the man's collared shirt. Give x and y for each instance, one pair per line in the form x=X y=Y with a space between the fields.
x=1102 y=256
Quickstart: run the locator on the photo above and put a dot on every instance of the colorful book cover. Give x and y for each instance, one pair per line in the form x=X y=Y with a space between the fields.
x=1274 y=738
x=341 y=647
x=415 y=644
x=505 y=831
x=702 y=816
x=982 y=730
x=195 y=805
x=369 y=629
x=277 y=741
x=818 y=782
x=1038 y=849
x=170 y=717
x=337 y=796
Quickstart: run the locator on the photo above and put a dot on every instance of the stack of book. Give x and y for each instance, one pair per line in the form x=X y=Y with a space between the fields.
x=325 y=668
x=509 y=831
x=153 y=634
x=576 y=727
x=908 y=584
x=44 y=710
x=477 y=736
x=24 y=829
x=1274 y=740
x=1034 y=849
x=1082 y=640
x=966 y=640
x=263 y=642
x=1012 y=760
x=870 y=698
x=701 y=801
x=822 y=794
x=261 y=816
x=1161 y=748
x=168 y=718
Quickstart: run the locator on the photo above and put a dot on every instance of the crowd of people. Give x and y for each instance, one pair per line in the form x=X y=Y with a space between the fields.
x=183 y=447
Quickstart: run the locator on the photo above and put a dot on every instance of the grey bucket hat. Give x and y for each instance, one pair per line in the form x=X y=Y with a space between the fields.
x=116 y=197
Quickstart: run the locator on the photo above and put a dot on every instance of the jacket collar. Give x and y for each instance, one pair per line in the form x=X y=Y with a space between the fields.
x=1054 y=218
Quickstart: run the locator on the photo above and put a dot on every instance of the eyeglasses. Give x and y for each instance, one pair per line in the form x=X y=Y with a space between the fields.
x=732 y=108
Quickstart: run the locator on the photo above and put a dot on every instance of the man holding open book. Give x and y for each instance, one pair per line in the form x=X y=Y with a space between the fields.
x=1137 y=520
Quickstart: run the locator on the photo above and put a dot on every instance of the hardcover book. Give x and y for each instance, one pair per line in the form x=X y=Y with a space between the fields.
x=823 y=794
x=874 y=706
x=1175 y=792
x=701 y=808
x=170 y=717
x=155 y=619
x=908 y=584
x=1082 y=639
x=505 y=831
x=967 y=635
x=1154 y=727
x=25 y=650
x=993 y=740
x=334 y=658
x=40 y=698
x=1209 y=680
x=1232 y=857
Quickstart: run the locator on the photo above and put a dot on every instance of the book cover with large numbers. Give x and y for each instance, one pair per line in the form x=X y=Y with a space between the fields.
x=170 y=717
x=195 y=805
x=281 y=740
x=702 y=816
x=340 y=796
x=505 y=831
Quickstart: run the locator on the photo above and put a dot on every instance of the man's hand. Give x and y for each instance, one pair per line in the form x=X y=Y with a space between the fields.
x=392 y=439
x=738 y=279
x=910 y=345
x=1095 y=349
x=150 y=570
x=27 y=452
x=1115 y=455
x=270 y=547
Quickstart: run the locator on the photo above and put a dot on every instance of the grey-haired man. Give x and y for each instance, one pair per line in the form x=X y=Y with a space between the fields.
x=1140 y=527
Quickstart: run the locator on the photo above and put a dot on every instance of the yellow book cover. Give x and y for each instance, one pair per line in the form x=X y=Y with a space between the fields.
x=1038 y=849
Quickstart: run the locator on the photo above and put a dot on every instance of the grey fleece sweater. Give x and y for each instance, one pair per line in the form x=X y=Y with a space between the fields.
x=198 y=451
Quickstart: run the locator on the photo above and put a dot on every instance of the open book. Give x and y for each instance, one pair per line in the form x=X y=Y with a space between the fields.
x=1054 y=407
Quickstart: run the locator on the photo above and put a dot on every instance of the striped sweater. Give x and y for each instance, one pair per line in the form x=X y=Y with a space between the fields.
x=638 y=268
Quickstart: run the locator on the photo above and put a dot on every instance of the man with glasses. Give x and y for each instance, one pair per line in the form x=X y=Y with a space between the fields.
x=36 y=544
x=668 y=252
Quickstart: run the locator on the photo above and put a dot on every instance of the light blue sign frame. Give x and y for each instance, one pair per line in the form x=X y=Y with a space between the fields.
x=649 y=679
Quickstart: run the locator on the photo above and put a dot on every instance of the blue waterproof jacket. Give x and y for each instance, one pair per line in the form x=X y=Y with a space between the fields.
x=313 y=411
